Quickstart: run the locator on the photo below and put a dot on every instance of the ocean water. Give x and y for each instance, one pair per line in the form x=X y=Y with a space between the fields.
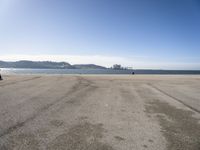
x=94 y=71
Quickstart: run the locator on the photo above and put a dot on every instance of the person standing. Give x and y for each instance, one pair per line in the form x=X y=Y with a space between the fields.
x=1 y=76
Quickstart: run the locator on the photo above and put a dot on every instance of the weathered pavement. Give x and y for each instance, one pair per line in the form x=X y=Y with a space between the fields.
x=100 y=112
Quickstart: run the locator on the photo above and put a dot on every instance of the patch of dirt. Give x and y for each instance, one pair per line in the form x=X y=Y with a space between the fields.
x=83 y=136
x=181 y=129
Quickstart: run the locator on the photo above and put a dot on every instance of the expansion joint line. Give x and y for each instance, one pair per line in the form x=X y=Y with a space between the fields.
x=174 y=98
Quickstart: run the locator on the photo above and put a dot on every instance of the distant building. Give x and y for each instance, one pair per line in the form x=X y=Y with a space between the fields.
x=117 y=67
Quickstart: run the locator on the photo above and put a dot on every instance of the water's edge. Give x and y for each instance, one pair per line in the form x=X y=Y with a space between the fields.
x=95 y=71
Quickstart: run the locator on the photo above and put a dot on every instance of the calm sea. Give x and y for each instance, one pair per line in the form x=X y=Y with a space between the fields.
x=95 y=71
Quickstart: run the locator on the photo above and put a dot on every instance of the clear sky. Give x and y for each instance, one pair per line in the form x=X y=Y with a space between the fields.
x=157 y=34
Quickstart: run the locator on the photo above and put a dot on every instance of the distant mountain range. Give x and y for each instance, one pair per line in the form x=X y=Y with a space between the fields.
x=47 y=65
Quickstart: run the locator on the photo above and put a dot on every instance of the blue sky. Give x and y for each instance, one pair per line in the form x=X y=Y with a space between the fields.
x=157 y=34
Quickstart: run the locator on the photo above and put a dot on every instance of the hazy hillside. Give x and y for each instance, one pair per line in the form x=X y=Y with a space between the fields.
x=88 y=66
x=46 y=65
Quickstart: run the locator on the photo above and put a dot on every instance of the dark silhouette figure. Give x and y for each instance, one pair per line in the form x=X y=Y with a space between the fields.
x=1 y=77
x=133 y=73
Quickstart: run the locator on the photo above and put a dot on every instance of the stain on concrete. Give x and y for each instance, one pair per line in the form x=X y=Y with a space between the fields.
x=119 y=138
x=123 y=110
x=21 y=142
x=145 y=146
x=83 y=117
x=150 y=140
x=83 y=136
x=43 y=132
x=181 y=129
x=57 y=123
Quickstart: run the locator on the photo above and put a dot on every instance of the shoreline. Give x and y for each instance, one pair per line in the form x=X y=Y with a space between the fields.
x=99 y=71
